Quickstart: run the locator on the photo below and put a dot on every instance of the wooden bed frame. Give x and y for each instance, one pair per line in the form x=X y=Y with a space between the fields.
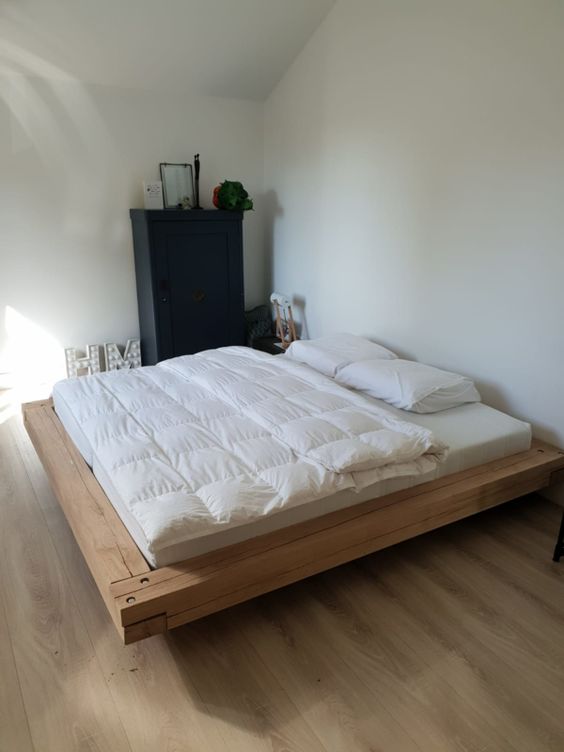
x=145 y=602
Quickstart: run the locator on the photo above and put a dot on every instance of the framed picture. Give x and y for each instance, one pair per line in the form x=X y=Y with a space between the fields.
x=178 y=185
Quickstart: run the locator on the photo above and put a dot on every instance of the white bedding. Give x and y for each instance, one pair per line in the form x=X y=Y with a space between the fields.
x=227 y=436
x=158 y=405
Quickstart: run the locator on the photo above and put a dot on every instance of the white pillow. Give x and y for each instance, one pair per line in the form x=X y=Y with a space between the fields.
x=328 y=354
x=409 y=385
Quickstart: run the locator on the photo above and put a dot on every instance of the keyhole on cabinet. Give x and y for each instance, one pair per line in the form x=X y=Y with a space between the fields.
x=198 y=295
x=163 y=286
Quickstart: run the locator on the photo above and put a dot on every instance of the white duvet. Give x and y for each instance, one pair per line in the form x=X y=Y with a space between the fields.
x=228 y=436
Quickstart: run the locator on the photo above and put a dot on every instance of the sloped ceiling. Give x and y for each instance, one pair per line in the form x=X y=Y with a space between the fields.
x=233 y=48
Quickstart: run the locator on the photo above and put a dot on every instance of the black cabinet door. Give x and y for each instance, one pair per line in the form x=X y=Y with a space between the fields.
x=199 y=295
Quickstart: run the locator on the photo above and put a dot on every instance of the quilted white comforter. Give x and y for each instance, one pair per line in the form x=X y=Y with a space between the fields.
x=227 y=436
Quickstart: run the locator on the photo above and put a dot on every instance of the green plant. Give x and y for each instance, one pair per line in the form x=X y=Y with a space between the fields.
x=232 y=196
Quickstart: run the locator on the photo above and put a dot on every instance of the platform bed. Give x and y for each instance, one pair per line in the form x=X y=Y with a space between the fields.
x=144 y=601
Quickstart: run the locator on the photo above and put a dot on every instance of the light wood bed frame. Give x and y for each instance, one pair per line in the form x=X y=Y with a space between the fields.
x=145 y=602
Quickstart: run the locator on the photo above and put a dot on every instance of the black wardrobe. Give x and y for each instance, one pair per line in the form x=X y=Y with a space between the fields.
x=189 y=271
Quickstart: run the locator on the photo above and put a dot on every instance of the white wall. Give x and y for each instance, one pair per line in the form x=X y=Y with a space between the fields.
x=72 y=160
x=414 y=176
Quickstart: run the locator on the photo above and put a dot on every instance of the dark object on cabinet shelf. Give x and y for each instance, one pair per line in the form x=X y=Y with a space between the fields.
x=197 y=182
x=189 y=272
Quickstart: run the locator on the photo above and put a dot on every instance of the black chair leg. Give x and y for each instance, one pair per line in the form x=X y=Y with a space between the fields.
x=559 y=548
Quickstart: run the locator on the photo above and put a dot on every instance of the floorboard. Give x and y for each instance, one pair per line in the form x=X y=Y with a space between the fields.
x=66 y=699
x=14 y=728
x=454 y=641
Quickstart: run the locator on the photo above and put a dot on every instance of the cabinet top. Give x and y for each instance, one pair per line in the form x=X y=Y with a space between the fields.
x=185 y=215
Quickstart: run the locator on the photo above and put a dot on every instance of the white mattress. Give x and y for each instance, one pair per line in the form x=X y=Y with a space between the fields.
x=474 y=433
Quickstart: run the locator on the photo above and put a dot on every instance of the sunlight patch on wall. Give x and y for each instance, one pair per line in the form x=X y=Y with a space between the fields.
x=32 y=356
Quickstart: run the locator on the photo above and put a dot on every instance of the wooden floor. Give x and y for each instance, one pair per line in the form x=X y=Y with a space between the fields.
x=454 y=641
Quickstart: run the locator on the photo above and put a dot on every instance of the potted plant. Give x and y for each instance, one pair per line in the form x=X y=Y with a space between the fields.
x=231 y=195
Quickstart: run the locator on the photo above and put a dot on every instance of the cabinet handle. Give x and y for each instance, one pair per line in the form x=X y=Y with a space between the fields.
x=164 y=300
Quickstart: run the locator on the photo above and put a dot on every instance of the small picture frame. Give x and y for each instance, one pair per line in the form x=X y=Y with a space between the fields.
x=178 y=185
x=153 y=194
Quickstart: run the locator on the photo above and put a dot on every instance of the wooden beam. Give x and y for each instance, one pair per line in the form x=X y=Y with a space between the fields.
x=230 y=554
x=557 y=477
x=142 y=629
x=206 y=584
x=109 y=550
x=144 y=602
